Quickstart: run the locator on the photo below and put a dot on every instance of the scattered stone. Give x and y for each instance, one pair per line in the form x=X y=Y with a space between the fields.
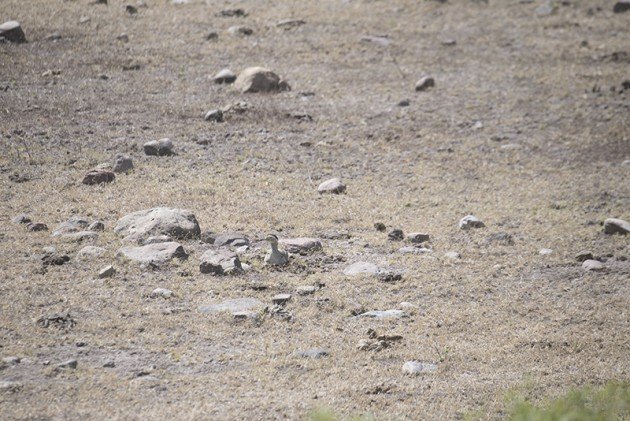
x=107 y=272
x=90 y=252
x=396 y=235
x=225 y=76
x=21 y=219
x=616 y=226
x=214 y=115
x=469 y=222
x=404 y=103
x=161 y=292
x=259 y=79
x=621 y=6
x=281 y=299
x=177 y=223
x=453 y=255
x=122 y=164
x=19 y=178
x=220 y=262
x=301 y=245
x=240 y=30
x=96 y=226
x=10 y=386
x=593 y=265
x=239 y=13
x=545 y=252
x=55 y=36
x=306 y=289
x=212 y=36
x=232 y=239
x=131 y=10
x=69 y=364
x=59 y=320
x=287 y=24
x=332 y=186
x=281 y=312
x=154 y=254
x=314 y=353
x=414 y=250
x=414 y=368
x=361 y=268
x=384 y=314
x=234 y=306
x=98 y=176
x=11 y=360
x=162 y=147
x=500 y=238
x=12 y=32
x=425 y=83
x=157 y=239
x=379 y=226
x=74 y=224
x=418 y=237
x=55 y=259
x=36 y=226
x=584 y=255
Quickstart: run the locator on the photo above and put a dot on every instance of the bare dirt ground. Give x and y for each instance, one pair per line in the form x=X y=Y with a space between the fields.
x=526 y=128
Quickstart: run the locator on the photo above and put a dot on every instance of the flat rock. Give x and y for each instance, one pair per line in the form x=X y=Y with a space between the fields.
x=236 y=305
x=584 y=255
x=69 y=364
x=384 y=314
x=425 y=83
x=161 y=147
x=593 y=265
x=545 y=252
x=77 y=237
x=233 y=239
x=301 y=245
x=220 y=262
x=453 y=255
x=415 y=367
x=98 y=176
x=176 y=223
x=74 y=224
x=12 y=32
x=153 y=254
x=225 y=76
x=470 y=221
x=332 y=186
x=361 y=268
x=122 y=164
x=161 y=292
x=259 y=79
x=314 y=353
x=157 y=239
x=306 y=290
x=107 y=272
x=90 y=252
x=281 y=299
x=418 y=237
x=240 y=30
x=616 y=226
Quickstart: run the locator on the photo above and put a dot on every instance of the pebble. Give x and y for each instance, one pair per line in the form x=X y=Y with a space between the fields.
x=593 y=265
x=10 y=386
x=616 y=226
x=12 y=32
x=240 y=30
x=546 y=9
x=396 y=235
x=418 y=237
x=332 y=186
x=122 y=163
x=384 y=314
x=21 y=219
x=453 y=255
x=107 y=272
x=161 y=147
x=109 y=364
x=212 y=36
x=404 y=103
x=72 y=364
x=545 y=252
x=470 y=221
x=281 y=299
x=379 y=226
x=414 y=367
x=425 y=83
x=621 y=6
x=36 y=226
x=55 y=36
x=306 y=290
x=259 y=79
x=584 y=255
x=214 y=115
x=11 y=360
x=98 y=176
x=161 y=292
x=225 y=76
x=314 y=353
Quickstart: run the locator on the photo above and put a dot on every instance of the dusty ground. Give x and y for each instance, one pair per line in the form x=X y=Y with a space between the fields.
x=545 y=167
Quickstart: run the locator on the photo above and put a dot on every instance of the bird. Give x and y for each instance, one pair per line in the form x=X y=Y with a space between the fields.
x=275 y=256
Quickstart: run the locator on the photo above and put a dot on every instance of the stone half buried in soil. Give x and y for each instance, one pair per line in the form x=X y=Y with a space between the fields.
x=259 y=79
x=176 y=223
x=161 y=147
x=301 y=245
x=415 y=367
x=154 y=254
x=616 y=226
x=220 y=262
x=12 y=32
x=332 y=186
x=236 y=305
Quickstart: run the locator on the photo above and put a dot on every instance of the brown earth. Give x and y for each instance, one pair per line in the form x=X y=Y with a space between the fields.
x=544 y=166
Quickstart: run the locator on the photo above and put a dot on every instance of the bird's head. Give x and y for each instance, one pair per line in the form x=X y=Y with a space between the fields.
x=272 y=238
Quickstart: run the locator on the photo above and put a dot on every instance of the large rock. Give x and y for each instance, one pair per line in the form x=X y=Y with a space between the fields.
x=259 y=79
x=301 y=245
x=236 y=305
x=12 y=32
x=154 y=254
x=220 y=262
x=176 y=223
x=616 y=226
x=161 y=147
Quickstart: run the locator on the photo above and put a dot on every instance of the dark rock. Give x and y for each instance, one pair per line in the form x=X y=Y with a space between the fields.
x=122 y=164
x=132 y=10
x=208 y=237
x=162 y=147
x=214 y=115
x=621 y=6
x=12 y=32
x=425 y=83
x=36 y=226
x=584 y=255
x=396 y=235
x=379 y=226
x=240 y=13
x=240 y=30
x=225 y=76
x=212 y=36
x=616 y=226
x=98 y=176
x=55 y=259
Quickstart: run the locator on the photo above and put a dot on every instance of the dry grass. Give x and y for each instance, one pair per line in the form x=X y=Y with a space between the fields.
x=501 y=317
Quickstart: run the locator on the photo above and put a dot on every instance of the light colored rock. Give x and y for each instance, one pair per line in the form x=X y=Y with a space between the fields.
x=415 y=367
x=22 y=219
x=281 y=299
x=362 y=268
x=10 y=386
x=12 y=32
x=384 y=314
x=90 y=252
x=453 y=255
x=225 y=76
x=214 y=115
x=69 y=364
x=301 y=245
x=314 y=353
x=425 y=83
x=234 y=306
x=220 y=262
x=11 y=360
x=259 y=79
x=616 y=226
x=418 y=237
x=231 y=239
x=74 y=224
x=77 y=237
x=161 y=292
x=107 y=272
x=159 y=147
x=470 y=221
x=240 y=30
x=306 y=290
x=122 y=163
x=593 y=265
x=177 y=223
x=96 y=226
x=414 y=250
x=545 y=252
x=153 y=254
x=157 y=239
x=332 y=186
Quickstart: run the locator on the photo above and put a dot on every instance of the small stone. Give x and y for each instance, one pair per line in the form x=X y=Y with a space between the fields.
x=107 y=272
x=123 y=37
x=122 y=163
x=98 y=176
x=11 y=360
x=161 y=292
x=240 y=13
x=621 y=6
x=240 y=30
x=314 y=353
x=69 y=364
x=616 y=226
x=379 y=226
x=384 y=314
x=220 y=262
x=332 y=186
x=259 y=79
x=10 y=386
x=418 y=237
x=74 y=224
x=301 y=245
x=161 y=147
x=132 y=10
x=500 y=238
x=232 y=239
x=287 y=24
x=425 y=83
x=36 y=226
x=469 y=222
x=55 y=259
x=84 y=19
x=593 y=265
x=55 y=36
x=96 y=226
x=281 y=299
x=21 y=219
x=546 y=9
x=414 y=368
x=404 y=103
x=545 y=252
x=212 y=36
x=109 y=364
x=415 y=250
x=225 y=76
x=90 y=253
x=361 y=268
x=12 y=32
x=154 y=254
x=77 y=237
x=306 y=290
x=214 y=115
x=453 y=255
x=584 y=255
x=244 y=315
x=396 y=235
x=448 y=42
x=234 y=306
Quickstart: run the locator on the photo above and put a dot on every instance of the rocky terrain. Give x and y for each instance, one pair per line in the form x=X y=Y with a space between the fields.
x=449 y=181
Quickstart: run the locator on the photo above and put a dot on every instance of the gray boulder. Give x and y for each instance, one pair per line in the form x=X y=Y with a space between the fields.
x=616 y=226
x=233 y=239
x=301 y=245
x=220 y=262
x=259 y=79
x=176 y=223
x=162 y=147
x=153 y=254
x=74 y=224
x=122 y=164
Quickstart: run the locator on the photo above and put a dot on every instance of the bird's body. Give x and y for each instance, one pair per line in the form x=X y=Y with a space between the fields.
x=275 y=256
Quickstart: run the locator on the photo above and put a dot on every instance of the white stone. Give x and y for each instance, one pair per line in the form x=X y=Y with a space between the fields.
x=470 y=221
x=334 y=186
x=415 y=367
